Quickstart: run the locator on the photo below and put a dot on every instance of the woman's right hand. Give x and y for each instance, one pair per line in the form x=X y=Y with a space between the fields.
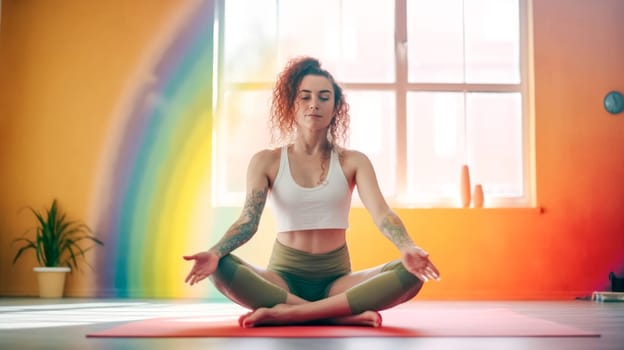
x=205 y=265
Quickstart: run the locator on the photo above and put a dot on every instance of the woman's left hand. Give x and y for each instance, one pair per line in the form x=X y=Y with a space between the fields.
x=416 y=261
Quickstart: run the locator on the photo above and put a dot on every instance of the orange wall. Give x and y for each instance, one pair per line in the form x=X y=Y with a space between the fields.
x=67 y=63
x=567 y=250
x=579 y=50
x=64 y=66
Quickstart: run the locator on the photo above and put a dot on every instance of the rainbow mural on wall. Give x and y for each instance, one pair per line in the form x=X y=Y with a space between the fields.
x=158 y=187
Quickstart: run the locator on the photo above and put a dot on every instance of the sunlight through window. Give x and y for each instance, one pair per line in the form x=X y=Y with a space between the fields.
x=432 y=85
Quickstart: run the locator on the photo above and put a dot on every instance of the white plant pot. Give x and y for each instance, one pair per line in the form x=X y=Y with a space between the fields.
x=51 y=281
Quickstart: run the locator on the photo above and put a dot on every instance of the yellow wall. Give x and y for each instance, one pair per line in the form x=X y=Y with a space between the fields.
x=64 y=65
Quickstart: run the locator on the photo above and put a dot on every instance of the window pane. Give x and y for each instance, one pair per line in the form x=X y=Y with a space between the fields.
x=241 y=130
x=435 y=41
x=309 y=29
x=373 y=132
x=435 y=146
x=367 y=42
x=494 y=132
x=249 y=58
x=344 y=36
x=492 y=41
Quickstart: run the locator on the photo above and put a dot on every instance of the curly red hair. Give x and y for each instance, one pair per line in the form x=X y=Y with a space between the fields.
x=285 y=94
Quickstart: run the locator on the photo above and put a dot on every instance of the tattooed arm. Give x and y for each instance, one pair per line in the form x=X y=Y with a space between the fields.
x=392 y=227
x=206 y=262
x=414 y=258
x=247 y=224
x=368 y=188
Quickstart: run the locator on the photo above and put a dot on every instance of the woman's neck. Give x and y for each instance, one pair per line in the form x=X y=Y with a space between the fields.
x=311 y=144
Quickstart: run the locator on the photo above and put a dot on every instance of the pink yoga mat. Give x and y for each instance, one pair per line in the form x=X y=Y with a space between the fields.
x=404 y=321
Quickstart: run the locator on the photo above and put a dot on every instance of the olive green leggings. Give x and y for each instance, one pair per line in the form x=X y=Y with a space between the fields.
x=311 y=276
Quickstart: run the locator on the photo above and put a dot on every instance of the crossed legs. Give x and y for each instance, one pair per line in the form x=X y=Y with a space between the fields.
x=354 y=298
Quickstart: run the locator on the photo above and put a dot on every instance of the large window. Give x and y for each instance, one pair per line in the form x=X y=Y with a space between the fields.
x=432 y=85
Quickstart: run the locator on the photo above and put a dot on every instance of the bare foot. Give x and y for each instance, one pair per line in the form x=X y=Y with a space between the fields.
x=366 y=318
x=277 y=315
x=281 y=315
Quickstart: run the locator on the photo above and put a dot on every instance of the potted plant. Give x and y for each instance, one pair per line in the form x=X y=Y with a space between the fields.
x=58 y=248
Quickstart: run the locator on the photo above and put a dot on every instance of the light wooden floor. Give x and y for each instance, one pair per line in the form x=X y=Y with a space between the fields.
x=27 y=323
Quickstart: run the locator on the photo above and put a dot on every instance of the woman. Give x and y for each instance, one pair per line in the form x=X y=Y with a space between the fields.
x=311 y=180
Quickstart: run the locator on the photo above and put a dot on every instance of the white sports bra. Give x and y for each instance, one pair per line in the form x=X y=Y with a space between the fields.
x=325 y=206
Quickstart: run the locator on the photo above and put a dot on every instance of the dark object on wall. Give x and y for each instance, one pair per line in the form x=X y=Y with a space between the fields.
x=617 y=284
x=614 y=102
